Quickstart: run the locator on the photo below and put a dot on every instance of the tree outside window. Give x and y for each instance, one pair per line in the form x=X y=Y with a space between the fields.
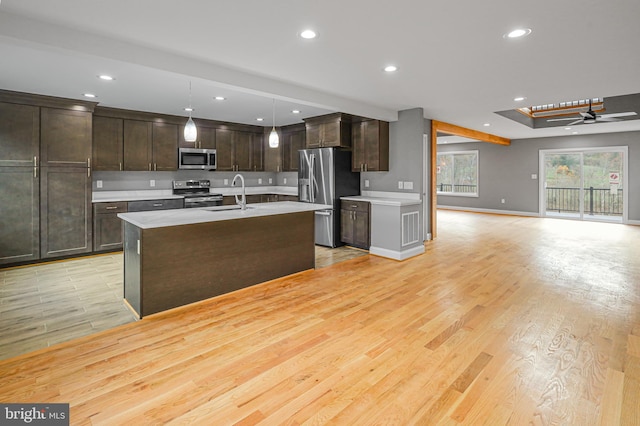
x=457 y=173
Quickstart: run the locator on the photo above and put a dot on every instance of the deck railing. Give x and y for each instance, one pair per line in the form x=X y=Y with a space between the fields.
x=597 y=201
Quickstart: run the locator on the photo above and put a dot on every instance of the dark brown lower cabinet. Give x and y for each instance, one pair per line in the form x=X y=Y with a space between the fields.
x=108 y=228
x=19 y=215
x=355 y=218
x=65 y=204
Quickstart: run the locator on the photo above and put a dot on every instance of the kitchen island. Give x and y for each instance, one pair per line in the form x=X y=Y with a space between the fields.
x=176 y=257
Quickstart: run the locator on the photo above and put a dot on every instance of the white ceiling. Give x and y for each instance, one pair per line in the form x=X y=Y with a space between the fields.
x=453 y=60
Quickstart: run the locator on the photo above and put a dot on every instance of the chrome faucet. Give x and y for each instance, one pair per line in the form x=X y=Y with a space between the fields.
x=241 y=202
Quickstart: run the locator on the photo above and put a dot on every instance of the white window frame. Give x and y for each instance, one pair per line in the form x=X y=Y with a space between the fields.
x=462 y=194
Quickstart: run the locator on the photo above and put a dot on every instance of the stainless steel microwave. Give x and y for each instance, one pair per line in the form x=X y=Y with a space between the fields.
x=197 y=159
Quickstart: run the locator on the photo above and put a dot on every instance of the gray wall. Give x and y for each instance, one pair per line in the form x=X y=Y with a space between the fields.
x=405 y=155
x=505 y=171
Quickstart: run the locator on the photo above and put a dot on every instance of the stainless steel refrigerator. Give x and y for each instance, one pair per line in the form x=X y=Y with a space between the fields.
x=324 y=175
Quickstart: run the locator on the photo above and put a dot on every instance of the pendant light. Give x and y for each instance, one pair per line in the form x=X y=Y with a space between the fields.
x=274 y=140
x=190 y=131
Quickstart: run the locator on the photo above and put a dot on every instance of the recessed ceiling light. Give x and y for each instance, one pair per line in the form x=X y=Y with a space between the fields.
x=390 y=68
x=89 y=95
x=189 y=109
x=259 y=119
x=308 y=34
x=487 y=124
x=220 y=98
x=519 y=98
x=295 y=111
x=106 y=77
x=519 y=32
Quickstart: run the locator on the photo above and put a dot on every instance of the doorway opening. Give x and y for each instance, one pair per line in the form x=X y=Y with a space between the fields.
x=584 y=184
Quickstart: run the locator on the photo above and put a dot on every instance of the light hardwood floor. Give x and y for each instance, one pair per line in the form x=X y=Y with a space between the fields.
x=504 y=320
x=45 y=304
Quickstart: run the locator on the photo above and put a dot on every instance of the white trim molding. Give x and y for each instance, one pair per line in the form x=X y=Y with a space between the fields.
x=397 y=255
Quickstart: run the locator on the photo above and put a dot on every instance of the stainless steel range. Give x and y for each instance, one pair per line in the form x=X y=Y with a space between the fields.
x=196 y=193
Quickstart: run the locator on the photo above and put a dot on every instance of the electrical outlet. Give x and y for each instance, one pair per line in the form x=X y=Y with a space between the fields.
x=366 y=183
x=259 y=181
x=534 y=176
x=503 y=201
x=270 y=181
x=408 y=185
x=400 y=184
x=152 y=183
x=226 y=181
x=284 y=180
x=99 y=183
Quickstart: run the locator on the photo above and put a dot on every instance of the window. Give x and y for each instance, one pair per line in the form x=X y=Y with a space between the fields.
x=457 y=173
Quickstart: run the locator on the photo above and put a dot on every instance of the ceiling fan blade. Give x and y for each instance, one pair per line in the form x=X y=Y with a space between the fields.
x=561 y=119
x=618 y=114
x=608 y=119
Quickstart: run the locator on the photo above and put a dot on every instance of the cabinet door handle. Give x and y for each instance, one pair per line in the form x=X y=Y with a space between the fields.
x=149 y=166
x=120 y=166
x=88 y=167
x=155 y=166
x=111 y=207
x=35 y=167
x=157 y=204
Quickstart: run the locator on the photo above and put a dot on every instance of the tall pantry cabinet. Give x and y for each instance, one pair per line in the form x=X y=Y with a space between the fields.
x=45 y=177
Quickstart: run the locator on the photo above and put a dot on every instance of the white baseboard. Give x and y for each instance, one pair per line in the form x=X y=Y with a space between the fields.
x=476 y=210
x=633 y=222
x=397 y=255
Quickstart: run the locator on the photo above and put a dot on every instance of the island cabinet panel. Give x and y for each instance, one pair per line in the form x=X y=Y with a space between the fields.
x=370 y=140
x=19 y=214
x=138 y=136
x=65 y=224
x=108 y=143
x=65 y=137
x=19 y=135
x=165 y=147
x=230 y=255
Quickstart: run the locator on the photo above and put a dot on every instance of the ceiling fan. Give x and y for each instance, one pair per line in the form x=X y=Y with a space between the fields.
x=590 y=117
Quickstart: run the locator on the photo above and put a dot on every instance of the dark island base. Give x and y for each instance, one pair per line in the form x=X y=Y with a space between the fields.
x=178 y=265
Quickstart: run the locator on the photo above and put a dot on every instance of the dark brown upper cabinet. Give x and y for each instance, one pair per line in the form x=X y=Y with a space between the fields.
x=108 y=143
x=294 y=141
x=332 y=130
x=65 y=138
x=370 y=139
x=164 y=151
x=206 y=138
x=19 y=135
x=137 y=145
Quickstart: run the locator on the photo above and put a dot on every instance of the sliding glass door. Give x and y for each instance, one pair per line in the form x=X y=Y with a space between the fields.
x=586 y=184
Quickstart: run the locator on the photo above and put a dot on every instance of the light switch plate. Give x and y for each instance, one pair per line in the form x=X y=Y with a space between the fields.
x=226 y=181
x=152 y=183
x=534 y=176
x=259 y=181
x=284 y=180
x=400 y=185
x=366 y=183
x=408 y=185
x=99 y=183
x=270 y=181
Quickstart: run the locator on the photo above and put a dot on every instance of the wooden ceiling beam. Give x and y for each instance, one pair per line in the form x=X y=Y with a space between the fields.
x=469 y=133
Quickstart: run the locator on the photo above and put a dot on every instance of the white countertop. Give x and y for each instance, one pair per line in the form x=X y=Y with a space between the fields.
x=397 y=199
x=163 y=194
x=176 y=217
